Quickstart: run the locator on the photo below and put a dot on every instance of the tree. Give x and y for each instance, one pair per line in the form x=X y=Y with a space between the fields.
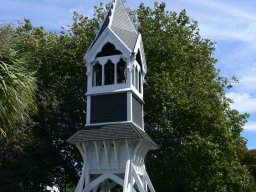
x=187 y=112
x=61 y=81
x=17 y=84
x=249 y=159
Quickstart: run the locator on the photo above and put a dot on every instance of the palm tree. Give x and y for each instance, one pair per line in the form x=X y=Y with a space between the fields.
x=17 y=85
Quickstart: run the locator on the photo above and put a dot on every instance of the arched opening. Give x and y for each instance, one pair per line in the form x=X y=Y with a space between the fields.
x=133 y=76
x=97 y=75
x=140 y=86
x=106 y=183
x=121 y=71
x=107 y=50
x=138 y=59
x=136 y=78
x=109 y=73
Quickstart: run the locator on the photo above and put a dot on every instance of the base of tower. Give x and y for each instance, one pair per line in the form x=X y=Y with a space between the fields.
x=108 y=163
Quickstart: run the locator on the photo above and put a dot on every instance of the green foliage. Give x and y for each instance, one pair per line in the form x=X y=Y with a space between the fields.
x=17 y=84
x=187 y=112
x=5 y=38
x=61 y=79
x=249 y=159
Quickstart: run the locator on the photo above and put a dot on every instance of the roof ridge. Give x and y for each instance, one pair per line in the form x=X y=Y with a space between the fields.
x=119 y=22
x=123 y=15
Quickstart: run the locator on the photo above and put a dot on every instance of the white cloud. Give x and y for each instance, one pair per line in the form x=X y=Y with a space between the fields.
x=227 y=9
x=250 y=126
x=220 y=20
x=225 y=31
x=247 y=83
x=51 y=14
x=243 y=102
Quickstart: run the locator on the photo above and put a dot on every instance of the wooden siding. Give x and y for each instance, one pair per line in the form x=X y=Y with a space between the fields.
x=137 y=112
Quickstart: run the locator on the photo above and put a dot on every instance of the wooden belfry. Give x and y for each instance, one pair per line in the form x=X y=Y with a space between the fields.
x=114 y=144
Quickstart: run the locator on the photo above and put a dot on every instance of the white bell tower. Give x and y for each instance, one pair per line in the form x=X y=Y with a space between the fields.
x=114 y=144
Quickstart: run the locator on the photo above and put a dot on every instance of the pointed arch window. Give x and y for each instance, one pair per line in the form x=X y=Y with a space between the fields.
x=97 y=75
x=121 y=71
x=133 y=76
x=136 y=78
x=109 y=73
x=138 y=59
x=140 y=85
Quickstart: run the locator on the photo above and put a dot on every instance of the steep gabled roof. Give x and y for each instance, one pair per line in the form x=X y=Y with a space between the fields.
x=105 y=23
x=122 y=25
x=119 y=22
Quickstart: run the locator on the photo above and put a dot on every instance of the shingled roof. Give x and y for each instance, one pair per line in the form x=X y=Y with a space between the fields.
x=119 y=22
x=111 y=132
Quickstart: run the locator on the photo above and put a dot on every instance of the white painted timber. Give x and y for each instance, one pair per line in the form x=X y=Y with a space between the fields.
x=109 y=163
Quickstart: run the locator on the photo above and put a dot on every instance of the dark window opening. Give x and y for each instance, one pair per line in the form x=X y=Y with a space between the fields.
x=109 y=73
x=121 y=71
x=107 y=50
x=133 y=76
x=136 y=79
x=97 y=75
x=138 y=59
x=140 y=86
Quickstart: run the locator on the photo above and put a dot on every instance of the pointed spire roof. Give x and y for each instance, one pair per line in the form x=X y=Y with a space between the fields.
x=119 y=22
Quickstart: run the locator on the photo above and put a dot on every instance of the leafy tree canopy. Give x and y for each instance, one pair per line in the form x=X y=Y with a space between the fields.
x=186 y=110
x=17 y=84
x=249 y=159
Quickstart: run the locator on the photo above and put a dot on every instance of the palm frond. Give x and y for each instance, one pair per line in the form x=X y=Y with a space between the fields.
x=17 y=90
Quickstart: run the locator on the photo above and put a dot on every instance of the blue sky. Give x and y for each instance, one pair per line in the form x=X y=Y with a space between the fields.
x=230 y=23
